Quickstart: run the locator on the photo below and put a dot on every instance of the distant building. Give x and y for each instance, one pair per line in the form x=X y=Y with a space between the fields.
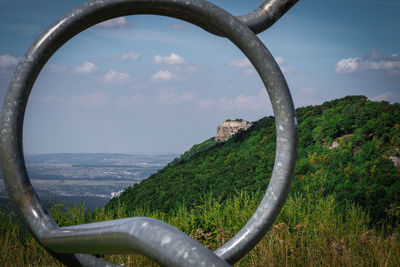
x=116 y=194
x=231 y=127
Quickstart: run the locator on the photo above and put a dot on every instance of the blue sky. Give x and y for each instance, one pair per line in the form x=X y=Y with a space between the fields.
x=151 y=84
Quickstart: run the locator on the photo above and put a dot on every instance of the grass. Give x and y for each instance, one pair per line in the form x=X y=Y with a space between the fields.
x=308 y=232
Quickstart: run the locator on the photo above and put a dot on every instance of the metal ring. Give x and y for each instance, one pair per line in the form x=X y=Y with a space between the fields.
x=157 y=240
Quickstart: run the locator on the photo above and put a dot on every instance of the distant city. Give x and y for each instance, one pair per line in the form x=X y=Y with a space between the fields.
x=92 y=178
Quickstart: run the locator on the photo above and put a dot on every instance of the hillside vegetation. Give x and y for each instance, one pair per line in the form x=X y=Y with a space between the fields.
x=343 y=209
x=308 y=232
x=344 y=150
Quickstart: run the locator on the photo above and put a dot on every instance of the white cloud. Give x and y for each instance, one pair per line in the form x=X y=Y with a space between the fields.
x=177 y=68
x=180 y=26
x=7 y=63
x=127 y=56
x=186 y=69
x=248 y=68
x=308 y=90
x=175 y=73
x=188 y=97
x=285 y=68
x=171 y=98
x=207 y=103
x=49 y=99
x=240 y=102
x=250 y=71
x=90 y=100
x=374 y=54
x=388 y=96
x=244 y=64
x=87 y=67
x=172 y=59
x=240 y=63
x=243 y=102
x=120 y=22
x=348 y=65
x=163 y=75
x=116 y=77
x=131 y=101
x=370 y=63
x=58 y=68
x=85 y=100
x=52 y=98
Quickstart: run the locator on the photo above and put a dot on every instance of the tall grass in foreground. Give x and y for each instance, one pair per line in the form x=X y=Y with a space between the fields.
x=308 y=232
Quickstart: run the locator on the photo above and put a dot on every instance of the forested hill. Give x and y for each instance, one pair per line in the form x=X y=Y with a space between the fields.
x=347 y=147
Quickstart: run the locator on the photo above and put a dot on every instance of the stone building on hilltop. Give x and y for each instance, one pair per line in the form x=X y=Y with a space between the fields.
x=229 y=128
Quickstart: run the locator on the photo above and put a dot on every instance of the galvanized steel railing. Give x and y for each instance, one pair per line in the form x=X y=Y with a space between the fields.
x=155 y=239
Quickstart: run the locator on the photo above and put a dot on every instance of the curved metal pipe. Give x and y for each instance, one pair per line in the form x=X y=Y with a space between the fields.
x=157 y=240
x=134 y=233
